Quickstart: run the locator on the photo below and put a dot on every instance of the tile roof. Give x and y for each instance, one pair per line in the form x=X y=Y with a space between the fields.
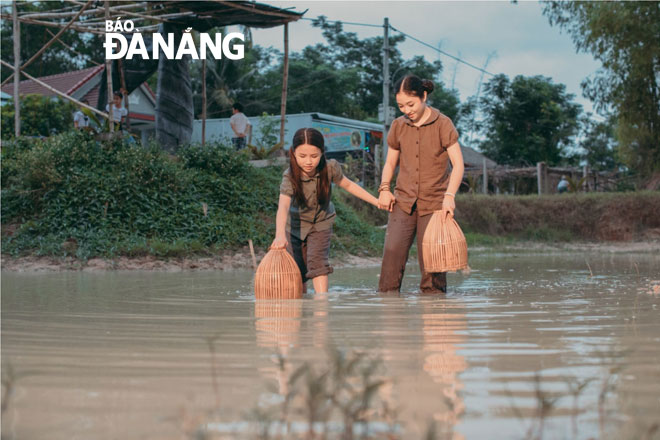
x=67 y=82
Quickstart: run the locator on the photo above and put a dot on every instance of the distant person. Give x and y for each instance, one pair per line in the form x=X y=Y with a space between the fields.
x=80 y=119
x=305 y=214
x=562 y=186
x=240 y=125
x=422 y=143
x=119 y=112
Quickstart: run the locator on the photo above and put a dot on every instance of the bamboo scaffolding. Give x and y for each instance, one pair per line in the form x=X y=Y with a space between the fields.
x=95 y=11
x=57 y=92
x=53 y=40
x=73 y=50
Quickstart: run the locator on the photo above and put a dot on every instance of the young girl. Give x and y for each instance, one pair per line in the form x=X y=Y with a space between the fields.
x=421 y=142
x=305 y=214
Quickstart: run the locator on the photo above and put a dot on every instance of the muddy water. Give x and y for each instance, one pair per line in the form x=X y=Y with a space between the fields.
x=139 y=355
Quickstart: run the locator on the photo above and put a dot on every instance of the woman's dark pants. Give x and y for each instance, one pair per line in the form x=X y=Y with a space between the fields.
x=401 y=229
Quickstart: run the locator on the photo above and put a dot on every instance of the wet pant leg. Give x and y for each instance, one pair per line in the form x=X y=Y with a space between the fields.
x=399 y=237
x=431 y=282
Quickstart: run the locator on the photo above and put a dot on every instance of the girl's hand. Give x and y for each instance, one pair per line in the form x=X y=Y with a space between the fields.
x=386 y=200
x=279 y=243
x=448 y=204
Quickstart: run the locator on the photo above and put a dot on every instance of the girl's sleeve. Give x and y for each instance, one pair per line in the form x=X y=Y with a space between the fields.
x=448 y=133
x=286 y=187
x=336 y=173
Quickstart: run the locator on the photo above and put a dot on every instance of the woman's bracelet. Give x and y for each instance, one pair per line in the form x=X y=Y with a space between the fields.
x=450 y=194
x=384 y=186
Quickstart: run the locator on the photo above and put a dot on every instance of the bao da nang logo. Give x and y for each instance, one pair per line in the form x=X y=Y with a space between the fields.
x=117 y=45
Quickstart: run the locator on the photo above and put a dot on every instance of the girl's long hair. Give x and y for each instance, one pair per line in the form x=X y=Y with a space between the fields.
x=313 y=137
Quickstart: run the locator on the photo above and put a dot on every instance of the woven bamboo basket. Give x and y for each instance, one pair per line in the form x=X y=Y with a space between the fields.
x=278 y=277
x=444 y=248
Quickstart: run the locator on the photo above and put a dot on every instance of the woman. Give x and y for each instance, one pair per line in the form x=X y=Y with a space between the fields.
x=421 y=143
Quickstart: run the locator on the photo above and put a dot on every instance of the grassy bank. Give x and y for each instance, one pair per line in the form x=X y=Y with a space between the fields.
x=73 y=196
x=499 y=220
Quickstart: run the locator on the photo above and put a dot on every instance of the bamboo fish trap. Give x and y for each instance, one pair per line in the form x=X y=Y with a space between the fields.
x=278 y=277
x=444 y=248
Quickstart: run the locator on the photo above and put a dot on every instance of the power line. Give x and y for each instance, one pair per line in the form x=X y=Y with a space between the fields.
x=442 y=52
x=346 y=22
x=460 y=60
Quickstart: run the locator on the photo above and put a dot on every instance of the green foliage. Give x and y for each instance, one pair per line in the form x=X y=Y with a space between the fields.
x=93 y=199
x=40 y=116
x=599 y=145
x=266 y=141
x=574 y=185
x=527 y=120
x=625 y=37
x=72 y=195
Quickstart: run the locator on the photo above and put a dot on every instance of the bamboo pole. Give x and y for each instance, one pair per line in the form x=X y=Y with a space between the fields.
x=72 y=49
x=203 y=102
x=57 y=92
x=17 y=63
x=108 y=75
x=94 y=11
x=122 y=80
x=285 y=80
x=252 y=9
x=58 y=25
x=53 y=40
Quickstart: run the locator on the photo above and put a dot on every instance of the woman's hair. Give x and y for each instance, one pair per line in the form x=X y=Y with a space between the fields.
x=413 y=85
x=313 y=137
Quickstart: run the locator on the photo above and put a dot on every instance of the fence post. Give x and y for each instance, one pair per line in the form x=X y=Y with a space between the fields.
x=539 y=177
x=485 y=176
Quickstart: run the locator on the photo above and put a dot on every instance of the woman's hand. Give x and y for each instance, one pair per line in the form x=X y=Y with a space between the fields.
x=448 y=203
x=386 y=200
x=279 y=243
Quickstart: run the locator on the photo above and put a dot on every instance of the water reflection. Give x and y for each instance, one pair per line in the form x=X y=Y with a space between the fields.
x=443 y=328
x=277 y=323
x=115 y=355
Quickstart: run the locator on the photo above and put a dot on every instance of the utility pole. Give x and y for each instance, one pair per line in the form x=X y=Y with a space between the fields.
x=386 y=99
x=17 y=67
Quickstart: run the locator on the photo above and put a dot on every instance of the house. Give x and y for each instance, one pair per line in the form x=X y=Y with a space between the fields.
x=85 y=84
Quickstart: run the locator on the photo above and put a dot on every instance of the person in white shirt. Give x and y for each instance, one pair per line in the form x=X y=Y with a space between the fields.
x=118 y=111
x=240 y=125
x=81 y=120
x=562 y=186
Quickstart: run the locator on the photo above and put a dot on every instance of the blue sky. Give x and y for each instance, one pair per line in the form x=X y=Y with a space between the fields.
x=518 y=36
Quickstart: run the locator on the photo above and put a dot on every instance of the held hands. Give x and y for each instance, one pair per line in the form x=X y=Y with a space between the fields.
x=448 y=203
x=279 y=243
x=386 y=200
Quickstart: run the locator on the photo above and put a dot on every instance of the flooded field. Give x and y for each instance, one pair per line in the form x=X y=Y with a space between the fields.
x=558 y=346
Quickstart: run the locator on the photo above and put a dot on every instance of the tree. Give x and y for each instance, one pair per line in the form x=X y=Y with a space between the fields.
x=625 y=37
x=40 y=116
x=599 y=144
x=527 y=120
